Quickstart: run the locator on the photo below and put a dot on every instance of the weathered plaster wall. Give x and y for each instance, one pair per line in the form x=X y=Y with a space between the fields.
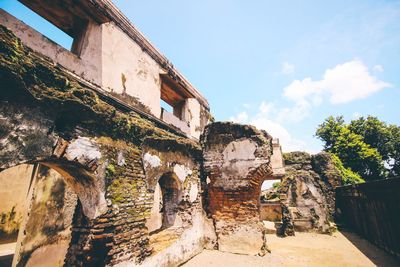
x=189 y=228
x=154 y=222
x=236 y=162
x=199 y=235
x=46 y=234
x=14 y=184
x=173 y=120
x=87 y=65
x=192 y=114
x=111 y=59
x=127 y=69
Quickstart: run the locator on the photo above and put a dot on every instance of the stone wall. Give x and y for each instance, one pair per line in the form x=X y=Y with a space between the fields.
x=309 y=189
x=236 y=162
x=271 y=212
x=110 y=157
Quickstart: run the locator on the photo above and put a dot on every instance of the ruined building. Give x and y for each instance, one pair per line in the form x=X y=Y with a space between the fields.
x=304 y=200
x=95 y=172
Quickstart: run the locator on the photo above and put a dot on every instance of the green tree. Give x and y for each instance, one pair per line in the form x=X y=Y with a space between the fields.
x=350 y=147
x=375 y=133
x=394 y=153
x=329 y=131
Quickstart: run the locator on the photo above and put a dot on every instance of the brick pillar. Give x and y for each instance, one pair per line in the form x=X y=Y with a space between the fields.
x=236 y=162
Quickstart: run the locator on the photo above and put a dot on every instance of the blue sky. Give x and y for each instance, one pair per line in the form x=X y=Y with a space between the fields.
x=283 y=66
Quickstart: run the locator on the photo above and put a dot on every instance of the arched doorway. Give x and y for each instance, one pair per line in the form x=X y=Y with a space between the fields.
x=37 y=208
x=164 y=223
x=167 y=195
x=171 y=194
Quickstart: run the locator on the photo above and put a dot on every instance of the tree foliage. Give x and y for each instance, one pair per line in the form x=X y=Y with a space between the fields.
x=374 y=132
x=365 y=145
x=349 y=177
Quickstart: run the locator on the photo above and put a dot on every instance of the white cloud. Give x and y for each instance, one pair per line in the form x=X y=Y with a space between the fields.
x=377 y=68
x=240 y=118
x=275 y=129
x=297 y=113
x=287 y=68
x=266 y=108
x=342 y=84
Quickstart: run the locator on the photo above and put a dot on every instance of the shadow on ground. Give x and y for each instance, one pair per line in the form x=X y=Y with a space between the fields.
x=378 y=256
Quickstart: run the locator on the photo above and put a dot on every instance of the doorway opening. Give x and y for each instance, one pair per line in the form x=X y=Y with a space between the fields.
x=270 y=205
x=164 y=224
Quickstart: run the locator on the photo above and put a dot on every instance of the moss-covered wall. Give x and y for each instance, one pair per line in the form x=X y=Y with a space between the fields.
x=98 y=146
x=33 y=80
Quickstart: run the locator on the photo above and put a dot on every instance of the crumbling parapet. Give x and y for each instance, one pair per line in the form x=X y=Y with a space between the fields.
x=236 y=162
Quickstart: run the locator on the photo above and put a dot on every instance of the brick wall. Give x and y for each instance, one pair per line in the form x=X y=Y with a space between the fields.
x=236 y=162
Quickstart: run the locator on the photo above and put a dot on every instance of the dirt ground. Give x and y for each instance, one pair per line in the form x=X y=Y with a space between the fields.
x=304 y=249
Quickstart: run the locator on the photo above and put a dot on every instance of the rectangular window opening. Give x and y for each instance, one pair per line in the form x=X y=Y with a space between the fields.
x=47 y=28
x=173 y=97
x=166 y=106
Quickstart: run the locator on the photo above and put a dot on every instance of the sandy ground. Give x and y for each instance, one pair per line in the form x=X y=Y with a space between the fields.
x=305 y=249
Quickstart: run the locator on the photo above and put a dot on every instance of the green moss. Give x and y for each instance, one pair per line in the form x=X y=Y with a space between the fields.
x=65 y=97
x=117 y=191
x=349 y=177
x=111 y=168
x=297 y=157
x=276 y=185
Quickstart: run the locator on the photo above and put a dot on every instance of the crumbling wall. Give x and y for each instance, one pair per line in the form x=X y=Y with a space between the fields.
x=271 y=212
x=309 y=188
x=236 y=162
x=323 y=164
x=185 y=230
x=50 y=117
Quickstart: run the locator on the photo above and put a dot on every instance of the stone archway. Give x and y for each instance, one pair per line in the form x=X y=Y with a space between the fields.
x=167 y=195
x=28 y=136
